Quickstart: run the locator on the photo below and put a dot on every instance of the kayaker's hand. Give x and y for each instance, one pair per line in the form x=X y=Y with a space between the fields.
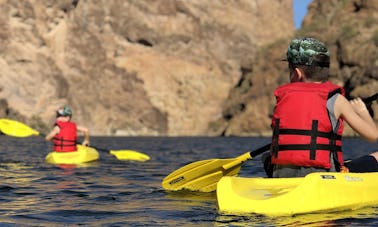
x=85 y=143
x=358 y=106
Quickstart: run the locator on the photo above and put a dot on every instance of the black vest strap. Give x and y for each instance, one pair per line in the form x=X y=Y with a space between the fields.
x=312 y=147
x=276 y=132
x=307 y=147
x=61 y=142
x=314 y=135
x=309 y=133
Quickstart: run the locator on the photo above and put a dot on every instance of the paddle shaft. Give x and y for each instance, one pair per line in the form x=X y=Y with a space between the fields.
x=99 y=148
x=370 y=99
x=260 y=150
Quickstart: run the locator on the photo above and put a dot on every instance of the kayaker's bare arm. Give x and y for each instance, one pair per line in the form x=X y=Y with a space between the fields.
x=52 y=134
x=85 y=131
x=355 y=113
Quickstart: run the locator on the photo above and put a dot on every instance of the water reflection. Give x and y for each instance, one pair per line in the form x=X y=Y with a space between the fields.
x=320 y=219
x=110 y=192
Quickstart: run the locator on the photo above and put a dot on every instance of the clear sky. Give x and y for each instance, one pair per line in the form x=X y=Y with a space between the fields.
x=300 y=10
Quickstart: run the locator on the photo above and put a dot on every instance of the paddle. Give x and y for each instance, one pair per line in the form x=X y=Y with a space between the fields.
x=18 y=129
x=204 y=175
x=370 y=99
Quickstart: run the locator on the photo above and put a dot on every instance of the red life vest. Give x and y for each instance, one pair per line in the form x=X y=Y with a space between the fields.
x=65 y=140
x=302 y=129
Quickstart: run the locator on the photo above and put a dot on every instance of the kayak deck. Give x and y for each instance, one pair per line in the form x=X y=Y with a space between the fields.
x=315 y=193
x=82 y=155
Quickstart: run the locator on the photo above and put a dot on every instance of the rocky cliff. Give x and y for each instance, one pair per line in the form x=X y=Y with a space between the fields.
x=350 y=30
x=143 y=67
x=170 y=67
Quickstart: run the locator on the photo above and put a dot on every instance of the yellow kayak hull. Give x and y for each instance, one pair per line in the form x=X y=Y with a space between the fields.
x=82 y=155
x=315 y=193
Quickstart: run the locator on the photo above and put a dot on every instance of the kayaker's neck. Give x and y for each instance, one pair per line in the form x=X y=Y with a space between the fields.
x=63 y=118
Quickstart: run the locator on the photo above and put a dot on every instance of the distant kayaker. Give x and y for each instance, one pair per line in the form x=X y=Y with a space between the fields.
x=308 y=118
x=64 y=133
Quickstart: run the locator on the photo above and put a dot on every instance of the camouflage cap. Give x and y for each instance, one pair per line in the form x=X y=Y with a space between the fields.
x=308 y=51
x=66 y=111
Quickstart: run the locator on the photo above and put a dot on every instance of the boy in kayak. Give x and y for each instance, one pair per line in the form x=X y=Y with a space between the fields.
x=308 y=118
x=64 y=133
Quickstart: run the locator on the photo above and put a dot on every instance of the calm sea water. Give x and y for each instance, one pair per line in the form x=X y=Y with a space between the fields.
x=110 y=192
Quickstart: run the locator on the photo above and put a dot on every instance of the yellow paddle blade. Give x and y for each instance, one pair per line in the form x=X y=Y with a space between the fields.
x=15 y=128
x=203 y=175
x=130 y=155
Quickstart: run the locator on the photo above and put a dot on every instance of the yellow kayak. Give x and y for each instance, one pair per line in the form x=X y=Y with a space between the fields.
x=315 y=193
x=82 y=155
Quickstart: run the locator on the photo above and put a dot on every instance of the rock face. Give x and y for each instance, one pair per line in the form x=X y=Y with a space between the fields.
x=170 y=67
x=161 y=67
x=350 y=30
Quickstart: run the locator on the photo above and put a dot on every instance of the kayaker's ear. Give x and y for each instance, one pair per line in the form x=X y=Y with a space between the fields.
x=297 y=75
